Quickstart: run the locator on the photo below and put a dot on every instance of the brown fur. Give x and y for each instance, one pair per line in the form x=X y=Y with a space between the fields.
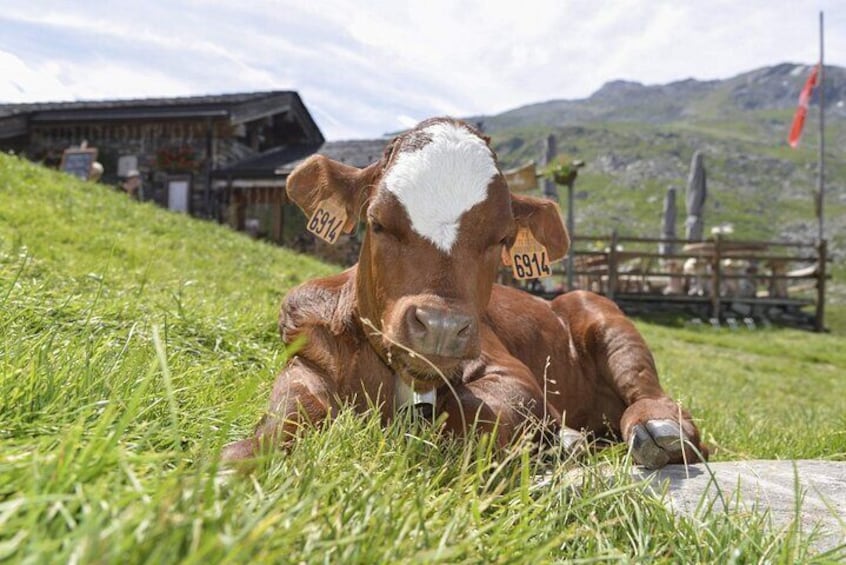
x=601 y=377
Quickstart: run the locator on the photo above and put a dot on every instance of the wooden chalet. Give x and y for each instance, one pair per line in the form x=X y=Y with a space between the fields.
x=177 y=144
x=252 y=191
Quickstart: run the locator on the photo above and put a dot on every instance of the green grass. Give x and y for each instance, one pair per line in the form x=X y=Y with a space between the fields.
x=134 y=343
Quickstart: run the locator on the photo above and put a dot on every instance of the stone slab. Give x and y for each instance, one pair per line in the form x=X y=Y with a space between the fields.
x=761 y=486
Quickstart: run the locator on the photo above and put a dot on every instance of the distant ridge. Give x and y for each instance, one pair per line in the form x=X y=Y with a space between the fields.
x=638 y=139
x=768 y=88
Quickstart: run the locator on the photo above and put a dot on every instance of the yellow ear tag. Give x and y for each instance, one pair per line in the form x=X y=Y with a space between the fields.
x=527 y=258
x=327 y=221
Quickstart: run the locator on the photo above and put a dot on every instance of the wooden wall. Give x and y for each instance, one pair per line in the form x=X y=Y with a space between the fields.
x=163 y=148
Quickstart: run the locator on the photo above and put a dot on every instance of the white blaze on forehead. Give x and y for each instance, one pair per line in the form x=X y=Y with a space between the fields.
x=442 y=180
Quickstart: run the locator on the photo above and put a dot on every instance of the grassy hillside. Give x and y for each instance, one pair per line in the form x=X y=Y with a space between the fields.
x=754 y=181
x=135 y=342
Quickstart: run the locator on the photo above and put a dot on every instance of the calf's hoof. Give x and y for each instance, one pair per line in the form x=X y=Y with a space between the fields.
x=656 y=443
x=660 y=432
x=238 y=451
x=574 y=444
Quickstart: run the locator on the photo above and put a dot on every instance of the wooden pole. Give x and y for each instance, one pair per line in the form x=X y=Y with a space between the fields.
x=716 y=278
x=571 y=227
x=550 y=189
x=612 y=267
x=207 y=200
x=819 y=318
x=240 y=209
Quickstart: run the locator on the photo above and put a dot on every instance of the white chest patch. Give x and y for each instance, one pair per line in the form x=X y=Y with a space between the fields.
x=442 y=180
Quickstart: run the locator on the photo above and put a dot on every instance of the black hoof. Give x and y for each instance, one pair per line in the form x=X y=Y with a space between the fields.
x=656 y=442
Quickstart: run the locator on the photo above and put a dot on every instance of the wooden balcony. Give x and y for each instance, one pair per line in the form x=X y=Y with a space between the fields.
x=718 y=280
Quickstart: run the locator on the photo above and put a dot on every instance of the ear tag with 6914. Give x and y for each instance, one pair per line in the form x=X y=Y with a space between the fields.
x=527 y=258
x=327 y=221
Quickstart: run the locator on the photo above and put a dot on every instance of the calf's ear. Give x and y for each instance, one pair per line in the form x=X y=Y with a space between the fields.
x=543 y=218
x=319 y=178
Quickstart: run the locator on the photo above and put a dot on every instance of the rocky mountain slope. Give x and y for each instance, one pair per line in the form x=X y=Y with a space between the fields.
x=769 y=88
x=637 y=140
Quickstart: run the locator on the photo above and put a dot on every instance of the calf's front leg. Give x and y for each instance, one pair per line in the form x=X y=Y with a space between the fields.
x=301 y=394
x=506 y=402
x=657 y=430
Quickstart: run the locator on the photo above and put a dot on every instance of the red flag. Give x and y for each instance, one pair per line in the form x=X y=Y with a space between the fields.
x=802 y=109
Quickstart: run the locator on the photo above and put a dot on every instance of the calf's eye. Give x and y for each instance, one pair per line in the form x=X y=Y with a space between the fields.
x=376 y=226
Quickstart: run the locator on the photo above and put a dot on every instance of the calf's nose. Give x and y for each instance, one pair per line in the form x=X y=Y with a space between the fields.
x=440 y=331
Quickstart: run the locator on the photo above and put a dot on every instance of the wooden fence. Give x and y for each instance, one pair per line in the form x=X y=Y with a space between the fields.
x=720 y=278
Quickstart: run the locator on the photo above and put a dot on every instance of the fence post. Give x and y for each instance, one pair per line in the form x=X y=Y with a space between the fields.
x=819 y=318
x=612 y=266
x=715 y=276
x=550 y=189
x=570 y=228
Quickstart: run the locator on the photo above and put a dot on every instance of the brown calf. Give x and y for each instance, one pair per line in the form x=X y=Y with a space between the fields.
x=421 y=305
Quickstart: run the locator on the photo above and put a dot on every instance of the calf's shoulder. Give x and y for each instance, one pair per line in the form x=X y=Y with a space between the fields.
x=592 y=317
x=320 y=318
x=518 y=315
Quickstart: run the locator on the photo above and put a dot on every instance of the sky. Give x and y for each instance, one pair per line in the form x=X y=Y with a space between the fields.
x=367 y=68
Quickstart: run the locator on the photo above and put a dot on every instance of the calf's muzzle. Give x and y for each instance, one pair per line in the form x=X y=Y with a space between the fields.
x=445 y=332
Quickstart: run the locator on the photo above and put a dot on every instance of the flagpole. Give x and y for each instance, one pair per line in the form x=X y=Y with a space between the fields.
x=819 y=322
x=821 y=158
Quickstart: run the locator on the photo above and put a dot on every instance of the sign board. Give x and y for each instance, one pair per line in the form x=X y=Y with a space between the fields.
x=77 y=162
x=522 y=179
x=127 y=163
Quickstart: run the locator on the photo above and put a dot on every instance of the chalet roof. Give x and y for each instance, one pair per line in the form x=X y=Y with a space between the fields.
x=355 y=152
x=220 y=102
x=237 y=108
x=265 y=164
x=280 y=161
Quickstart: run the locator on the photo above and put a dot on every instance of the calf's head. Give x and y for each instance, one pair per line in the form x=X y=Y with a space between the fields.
x=437 y=214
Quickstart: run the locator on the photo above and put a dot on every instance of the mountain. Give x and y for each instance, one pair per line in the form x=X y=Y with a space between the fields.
x=769 y=88
x=638 y=140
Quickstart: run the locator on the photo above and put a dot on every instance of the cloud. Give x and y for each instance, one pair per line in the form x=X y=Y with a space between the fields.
x=20 y=83
x=365 y=68
x=407 y=122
